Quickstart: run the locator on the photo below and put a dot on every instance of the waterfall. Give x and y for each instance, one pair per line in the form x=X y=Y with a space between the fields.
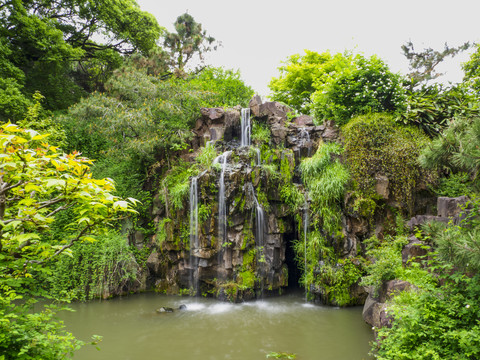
x=222 y=206
x=305 y=234
x=305 y=140
x=259 y=237
x=194 y=233
x=260 y=224
x=245 y=128
x=259 y=157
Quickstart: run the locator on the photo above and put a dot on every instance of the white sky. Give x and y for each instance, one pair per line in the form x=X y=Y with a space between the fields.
x=258 y=35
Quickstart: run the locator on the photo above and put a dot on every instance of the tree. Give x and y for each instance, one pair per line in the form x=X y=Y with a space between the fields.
x=189 y=40
x=37 y=185
x=472 y=70
x=295 y=84
x=357 y=85
x=68 y=46
x=457 y=149
x=423 y=64
x=337 y=86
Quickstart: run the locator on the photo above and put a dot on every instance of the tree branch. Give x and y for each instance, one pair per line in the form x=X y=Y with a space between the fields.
x=63 y=248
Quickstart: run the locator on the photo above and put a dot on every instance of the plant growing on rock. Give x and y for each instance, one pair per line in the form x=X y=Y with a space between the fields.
x=375 y=146
x=325 y=178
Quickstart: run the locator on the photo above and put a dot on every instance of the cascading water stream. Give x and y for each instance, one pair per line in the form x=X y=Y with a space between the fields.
x=194 y=233
x=259 y=236
x=222 y=206
x=305 y=235
x=305 y=140
x=259 y=157
x=246 y=128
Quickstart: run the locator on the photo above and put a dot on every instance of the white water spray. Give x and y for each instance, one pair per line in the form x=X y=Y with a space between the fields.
x=222 y=206
x=194 y=232
x=305 y=140
x=246 y=128
x=259 y=157
x=305 y=234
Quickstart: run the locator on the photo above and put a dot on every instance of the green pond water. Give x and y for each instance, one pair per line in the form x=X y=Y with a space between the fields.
x=211 y=330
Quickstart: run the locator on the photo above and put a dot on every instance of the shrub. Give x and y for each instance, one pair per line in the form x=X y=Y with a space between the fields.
x=434 y=323
x=375 y=145
x=362 y=85
x=457 y=149
x=431 y=108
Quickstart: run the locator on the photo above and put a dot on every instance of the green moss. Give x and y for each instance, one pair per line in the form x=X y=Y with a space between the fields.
x=204 y=212
x=246 y=279
x=281 y=226
x=249 y=258
x=262 y=199
x=376 y=145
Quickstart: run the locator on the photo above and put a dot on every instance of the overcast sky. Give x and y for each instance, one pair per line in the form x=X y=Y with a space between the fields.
x=257 y=35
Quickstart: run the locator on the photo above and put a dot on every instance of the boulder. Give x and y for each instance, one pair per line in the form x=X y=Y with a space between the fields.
x=393 y=287
x=212 y=113
x=255 y=104
x=303 y=120
x=274 y=112
x=164 y=309
x=451 y=207
x=413 y=251
x=375 y=309
x=331 y=132
x=422 y=219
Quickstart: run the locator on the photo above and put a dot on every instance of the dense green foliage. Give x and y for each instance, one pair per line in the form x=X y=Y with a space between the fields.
x=64 y=48
x=337 y=87
x=25 y=335
x=325 y=179
x=438 y=319
x=434 y=322
x=97 y=270
x=457 y=149
x=431 y=108
x=298 y=74
x=38 y=186
x=374 y=144
x=365 y=85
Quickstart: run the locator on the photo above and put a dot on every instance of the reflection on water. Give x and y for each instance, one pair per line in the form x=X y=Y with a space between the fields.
x=211 y=330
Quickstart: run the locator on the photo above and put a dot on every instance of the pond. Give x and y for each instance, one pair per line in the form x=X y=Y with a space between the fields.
x=211 y=330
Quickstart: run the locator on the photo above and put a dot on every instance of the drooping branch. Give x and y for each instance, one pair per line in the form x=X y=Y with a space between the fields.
x=82 y=233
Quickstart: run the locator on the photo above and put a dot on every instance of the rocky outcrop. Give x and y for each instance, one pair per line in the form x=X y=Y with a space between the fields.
x=415 y=250
x=375 y=310
x=449 y=210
